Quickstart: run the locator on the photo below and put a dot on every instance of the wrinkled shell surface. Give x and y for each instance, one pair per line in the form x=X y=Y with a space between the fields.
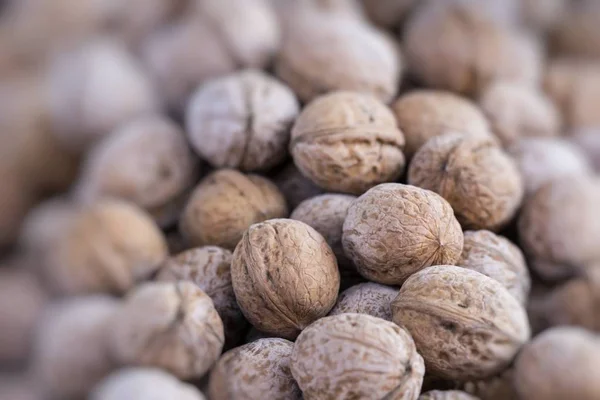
x=285 y=276
x=366 y=298
x=465 y=325
x=347 y=142
x=446 y=395
x=479 y=180
x=172 y=326
x=255 y=371
x=394 y=230
x=356 y=356
x=294 y=186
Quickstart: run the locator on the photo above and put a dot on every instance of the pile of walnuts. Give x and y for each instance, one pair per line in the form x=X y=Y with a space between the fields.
x=300 y=199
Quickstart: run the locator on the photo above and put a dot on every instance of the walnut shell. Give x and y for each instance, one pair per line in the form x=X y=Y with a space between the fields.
x=394 y=230
x=479 y=180
x=366 y=298
x=588 y=141
x=225 y=204
x=172 y=326
x=356 y=356
x=496 y=257
x=284 y=276
x=295 y=187
x=446 y=395
x=242 y=121
x=466 y=325
x=255 y=371
x=347 y=142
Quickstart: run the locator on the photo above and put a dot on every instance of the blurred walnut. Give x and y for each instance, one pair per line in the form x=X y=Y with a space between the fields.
x=588 y=141
x=543 y=15
x=366 y=298
x=388 y=13
x=446 y=395
x=290 y=10
x=294 y=186
x=15 y=199
x=577 y=32
x=499 y=387
x=19 y=386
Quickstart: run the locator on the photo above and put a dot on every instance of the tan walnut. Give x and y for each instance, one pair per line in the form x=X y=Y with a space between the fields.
x=366 y=298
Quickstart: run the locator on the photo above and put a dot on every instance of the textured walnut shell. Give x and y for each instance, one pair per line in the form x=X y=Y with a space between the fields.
x=496 y=257
x=466 y=325
x=295 y=187
x=394 y=230
x=366 y=298
x=225 y=204
x=588 y=141
x=479 y=180
x=560 y=363
x=356 y=356
x=284 y=276
x=242 y=121
x=172 y=326
x=446 y=395
x=255 y=371
x=347 y=142
x=423 y=114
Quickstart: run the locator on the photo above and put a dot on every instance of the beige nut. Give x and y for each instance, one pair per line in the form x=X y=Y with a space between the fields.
x=347 y=142
x=366 y=298
x=446 y=395
x=479 y=180
x=172 y=326
x=465 y=324
x=394 y=230
x=255 y=371
x=284 y=276
x=294 y=186
x=356 y=356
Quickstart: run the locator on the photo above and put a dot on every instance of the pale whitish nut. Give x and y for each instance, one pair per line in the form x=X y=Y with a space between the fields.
x=479 y=180
x=394 y=230
x=366 y=298
x=356 y=356
x=255 y=371
x=588 y=141
x=294 y=186
x=225 y=204
x=500 y=387
x=71 y=351
x=172 y=326
x=210 y=269
x=559 y=226
x=446 y=395
x=423 y=114
x=242 y=121
x=347 y=142
x=496 y=257
x=285 y=276
x=388 y=13
x=558 y=364
x=107 y=246
x=465 y=324
x=144 y=383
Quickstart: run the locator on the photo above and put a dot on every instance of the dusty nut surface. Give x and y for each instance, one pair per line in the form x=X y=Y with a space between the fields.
x=172 y=326
x=465 y=324
x=383 y=362
x=446 y=395
x=225 y=204
x=366 y=298
x=347 y=142
x=394 y=230
x=255 y=371
x=479 y=180
x=285 y=276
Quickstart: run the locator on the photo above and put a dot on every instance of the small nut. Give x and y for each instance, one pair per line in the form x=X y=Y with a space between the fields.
x=366 y=298
x=446 y=395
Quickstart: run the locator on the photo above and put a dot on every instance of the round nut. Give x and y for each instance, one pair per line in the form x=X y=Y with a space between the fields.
x=255 y=371
x=294 y=186
x=422 y=232
x=347 y=142
x=383 y=363
x=466 y=325
x=479 y=180
x=446 y=395
x=173 y=326
x=284 y=276
x=366 y=298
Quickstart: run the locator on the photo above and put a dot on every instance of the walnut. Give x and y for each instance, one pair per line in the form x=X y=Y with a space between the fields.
x=19 y=386
x=446 y=395
x=225 y=204
x=295 y=187
x=242 y=121
x=347 y=142
x=496 y=257
x=173 y=326
x=560 y=363
x=394 y=230
x=576 y=33
x=366 y=298
x=588 y=141
x=257 y=370
x=465 y=324
x=284 y=276
x=479 y=180
x=542 y=15
x=356 y=356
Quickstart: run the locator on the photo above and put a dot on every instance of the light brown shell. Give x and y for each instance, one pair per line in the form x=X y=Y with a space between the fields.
x=479 y=180
x=588 y=141
x=394 y=230
x=560 y=363
x=446 y=395
x=284 y=276
x=172 y=326
x=366 y=298
x=500 y=259
x=295 y=187
x=255 y=371
x=356 y=356
x=466 y=325
x=225 y=204
x=347 y=142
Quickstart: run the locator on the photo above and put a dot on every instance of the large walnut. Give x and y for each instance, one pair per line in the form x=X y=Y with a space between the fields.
x=366 y=298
